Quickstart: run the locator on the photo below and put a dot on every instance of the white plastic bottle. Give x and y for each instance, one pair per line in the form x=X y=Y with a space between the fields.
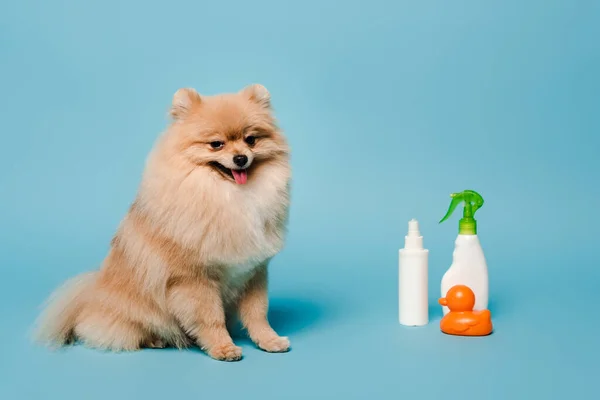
x=469 y=266
x=413 y=279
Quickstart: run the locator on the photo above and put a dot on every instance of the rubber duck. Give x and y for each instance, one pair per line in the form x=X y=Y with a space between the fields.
x=461 y=319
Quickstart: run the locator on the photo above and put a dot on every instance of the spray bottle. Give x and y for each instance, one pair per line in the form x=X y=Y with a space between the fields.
x=469 y=266
x=412 y=274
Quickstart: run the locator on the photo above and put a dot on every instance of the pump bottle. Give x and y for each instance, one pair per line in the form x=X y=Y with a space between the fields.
x=469 y=266
x=413 y=275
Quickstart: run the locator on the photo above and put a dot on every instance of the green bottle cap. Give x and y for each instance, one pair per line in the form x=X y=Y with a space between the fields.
x=473 y=202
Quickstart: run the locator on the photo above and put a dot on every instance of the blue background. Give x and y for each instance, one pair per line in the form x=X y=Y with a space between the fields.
x=389 y=107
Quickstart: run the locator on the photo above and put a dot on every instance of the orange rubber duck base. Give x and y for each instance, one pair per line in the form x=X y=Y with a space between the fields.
x=461 y=319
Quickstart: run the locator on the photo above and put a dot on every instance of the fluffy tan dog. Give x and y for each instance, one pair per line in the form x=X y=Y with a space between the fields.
x=194 y=248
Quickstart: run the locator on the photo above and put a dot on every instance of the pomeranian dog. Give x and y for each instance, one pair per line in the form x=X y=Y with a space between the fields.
x=194 y=247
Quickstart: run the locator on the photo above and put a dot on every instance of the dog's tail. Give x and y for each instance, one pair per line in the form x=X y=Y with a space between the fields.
x=56 y=324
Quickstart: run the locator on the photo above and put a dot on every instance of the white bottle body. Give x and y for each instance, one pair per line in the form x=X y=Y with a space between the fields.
x=413 y=284
x=469 y=268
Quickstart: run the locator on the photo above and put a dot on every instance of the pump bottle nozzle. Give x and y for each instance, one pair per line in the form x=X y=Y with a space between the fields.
x=473 y=202
x=413 y=239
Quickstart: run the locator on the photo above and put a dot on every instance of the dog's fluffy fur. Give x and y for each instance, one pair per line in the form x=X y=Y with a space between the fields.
x=194 y=247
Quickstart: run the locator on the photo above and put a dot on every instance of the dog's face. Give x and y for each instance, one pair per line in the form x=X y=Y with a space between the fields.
x=232 y=134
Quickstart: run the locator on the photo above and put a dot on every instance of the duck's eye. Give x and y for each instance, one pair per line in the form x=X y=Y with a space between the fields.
x=250 y=140
x=216 y=144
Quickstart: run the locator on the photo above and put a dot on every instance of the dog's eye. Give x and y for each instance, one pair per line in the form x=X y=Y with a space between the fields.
x=216 y=144
x=250 y=140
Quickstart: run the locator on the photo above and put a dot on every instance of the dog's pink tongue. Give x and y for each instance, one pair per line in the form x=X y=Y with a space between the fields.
x=241 y=176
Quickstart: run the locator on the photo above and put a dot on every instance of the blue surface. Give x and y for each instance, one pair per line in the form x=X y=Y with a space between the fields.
x=389 y=107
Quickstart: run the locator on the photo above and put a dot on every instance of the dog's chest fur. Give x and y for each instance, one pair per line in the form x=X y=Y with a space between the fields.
x=234 y=278
x=250 y=233
x=235 y=228
x=227 y=224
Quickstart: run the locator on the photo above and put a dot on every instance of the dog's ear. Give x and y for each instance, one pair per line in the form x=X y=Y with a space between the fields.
x=183 y=101
x=258 y=94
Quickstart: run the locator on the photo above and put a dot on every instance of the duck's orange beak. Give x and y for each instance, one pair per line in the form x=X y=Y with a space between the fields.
x=443 y=301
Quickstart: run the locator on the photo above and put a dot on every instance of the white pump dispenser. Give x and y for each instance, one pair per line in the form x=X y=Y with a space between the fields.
x=413 y=279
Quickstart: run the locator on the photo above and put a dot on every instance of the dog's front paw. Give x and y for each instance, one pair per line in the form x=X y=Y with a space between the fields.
x=276 y=344
x=226 y=352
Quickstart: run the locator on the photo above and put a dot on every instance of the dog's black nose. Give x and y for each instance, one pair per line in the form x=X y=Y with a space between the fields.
x=240 y=161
